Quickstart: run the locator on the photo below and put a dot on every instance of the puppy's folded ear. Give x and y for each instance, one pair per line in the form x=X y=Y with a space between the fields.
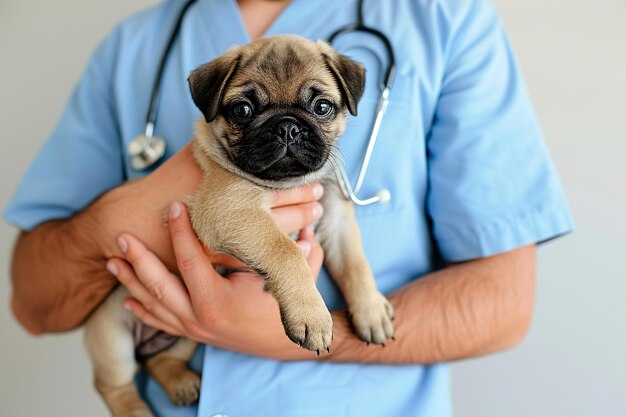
x=350 y=76
x=208 y=82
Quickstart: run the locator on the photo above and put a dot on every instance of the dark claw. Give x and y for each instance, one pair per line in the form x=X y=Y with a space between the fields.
x=367 y=343
x=383 y=344
x=393 y=338
x=328 y=349
x=318 y=352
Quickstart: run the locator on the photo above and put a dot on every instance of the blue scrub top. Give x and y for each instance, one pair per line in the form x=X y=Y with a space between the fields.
x=460 y=150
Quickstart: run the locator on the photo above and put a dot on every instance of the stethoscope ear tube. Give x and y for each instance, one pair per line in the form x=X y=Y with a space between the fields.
x=350 y=193
x=390 y=72
x=382 y=196
x=381 y=109
x=146 y=150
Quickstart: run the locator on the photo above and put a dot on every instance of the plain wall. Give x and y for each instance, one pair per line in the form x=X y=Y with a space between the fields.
x=573 y=54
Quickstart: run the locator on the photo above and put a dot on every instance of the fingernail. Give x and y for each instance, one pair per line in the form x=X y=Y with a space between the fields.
x=304 y=246
x=112 y=268
x=127 y=306
x=122 y=244
x=175 y=210
x=318 y=210
x=318 y=191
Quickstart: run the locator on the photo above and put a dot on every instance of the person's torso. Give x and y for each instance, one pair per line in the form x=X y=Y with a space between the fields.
x=396 y=236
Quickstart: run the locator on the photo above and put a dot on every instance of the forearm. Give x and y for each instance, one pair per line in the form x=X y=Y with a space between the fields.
x=58 y=270
x=58 y=274
x=465 y=310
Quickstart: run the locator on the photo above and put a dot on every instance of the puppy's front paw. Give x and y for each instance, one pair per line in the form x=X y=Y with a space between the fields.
x=308 y=323
x=372 y=319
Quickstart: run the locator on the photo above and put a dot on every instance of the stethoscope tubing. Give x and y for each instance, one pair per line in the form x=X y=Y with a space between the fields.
x=349 y=192
x=154 y=97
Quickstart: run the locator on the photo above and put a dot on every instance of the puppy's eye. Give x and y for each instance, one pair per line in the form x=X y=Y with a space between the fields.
x=241 y=111
x=323 y=107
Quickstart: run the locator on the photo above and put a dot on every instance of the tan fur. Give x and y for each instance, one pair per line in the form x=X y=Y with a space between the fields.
x=230 y=214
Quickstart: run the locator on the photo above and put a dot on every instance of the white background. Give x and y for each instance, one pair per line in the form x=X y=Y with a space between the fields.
x=573 y=53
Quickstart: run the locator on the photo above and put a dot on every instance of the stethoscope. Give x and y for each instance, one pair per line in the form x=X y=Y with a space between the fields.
x=147 y=149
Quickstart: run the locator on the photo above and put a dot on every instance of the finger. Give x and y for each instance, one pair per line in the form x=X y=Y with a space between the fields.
x=315 y=257
x=147 y=266
x=125 y=274
x=251 y=279
x=290 y=219
x=150 y=319
x=217 y=258
x=194 y=266
x=304 y=194
x=162 y=285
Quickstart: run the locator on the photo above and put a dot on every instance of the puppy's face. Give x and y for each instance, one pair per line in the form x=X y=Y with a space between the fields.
x=277 y=106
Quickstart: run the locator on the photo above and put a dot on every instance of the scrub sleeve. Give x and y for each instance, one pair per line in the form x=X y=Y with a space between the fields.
x=492 y=185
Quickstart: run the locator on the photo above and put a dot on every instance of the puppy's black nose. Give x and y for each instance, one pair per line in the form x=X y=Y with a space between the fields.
x=288 y=129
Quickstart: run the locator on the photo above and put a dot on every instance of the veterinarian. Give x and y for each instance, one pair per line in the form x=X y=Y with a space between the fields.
x=472 y=192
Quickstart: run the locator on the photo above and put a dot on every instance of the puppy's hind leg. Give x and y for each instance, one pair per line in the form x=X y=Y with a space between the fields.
x=109 y=342
x=169 y=368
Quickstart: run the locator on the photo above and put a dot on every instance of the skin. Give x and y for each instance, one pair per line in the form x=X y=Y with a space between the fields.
x=258 y=15
x=465 y=310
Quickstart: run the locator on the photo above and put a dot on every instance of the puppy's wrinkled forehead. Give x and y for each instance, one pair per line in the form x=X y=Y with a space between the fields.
x=282 y=70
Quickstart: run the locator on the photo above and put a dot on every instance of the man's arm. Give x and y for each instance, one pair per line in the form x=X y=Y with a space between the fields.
x=57 y=275
x=58 y=269
x=465 y=310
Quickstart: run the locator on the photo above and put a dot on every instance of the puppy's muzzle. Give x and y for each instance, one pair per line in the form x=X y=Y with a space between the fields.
x=283 y=147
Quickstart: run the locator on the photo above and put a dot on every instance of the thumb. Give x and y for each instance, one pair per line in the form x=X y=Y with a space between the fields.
x=194 y=266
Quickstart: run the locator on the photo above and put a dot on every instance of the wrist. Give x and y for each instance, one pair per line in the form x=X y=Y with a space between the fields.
x=342 y=330
x=140 y=207
x=99 y=225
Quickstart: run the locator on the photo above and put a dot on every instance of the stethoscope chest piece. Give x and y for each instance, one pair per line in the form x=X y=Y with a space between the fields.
x=145 y=151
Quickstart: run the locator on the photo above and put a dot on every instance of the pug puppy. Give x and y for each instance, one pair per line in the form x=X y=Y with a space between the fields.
x=272 y=113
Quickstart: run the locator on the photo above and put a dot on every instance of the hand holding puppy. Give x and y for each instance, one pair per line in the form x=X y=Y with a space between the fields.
x=231 y=313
